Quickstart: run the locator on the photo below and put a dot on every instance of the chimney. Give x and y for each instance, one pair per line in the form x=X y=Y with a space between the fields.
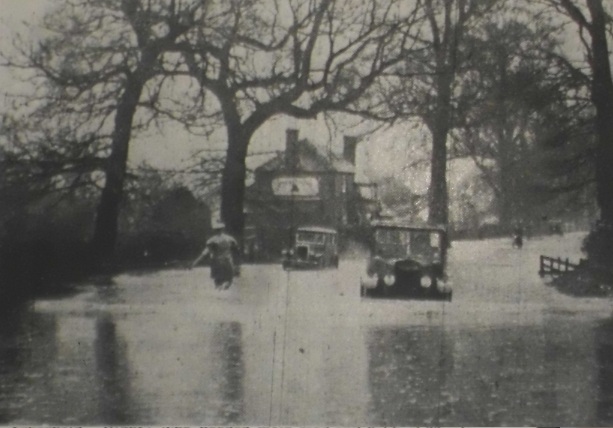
x=349 y=147
x=291 y=149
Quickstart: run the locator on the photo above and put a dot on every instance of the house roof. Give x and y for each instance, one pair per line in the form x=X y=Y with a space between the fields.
x=310 y=159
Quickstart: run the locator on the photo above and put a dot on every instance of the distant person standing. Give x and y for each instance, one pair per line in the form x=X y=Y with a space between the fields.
x=222 y=248
x=518 y=237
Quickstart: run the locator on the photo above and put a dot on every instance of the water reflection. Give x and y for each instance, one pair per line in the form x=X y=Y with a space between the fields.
x=604 y=354
x=182 y=365
x=27 y=347
x=407 y=371
x=112 y=373
x=539 y=375
x=11 y=361
x=97 y=369
x=66 y=370
x=185 y=370
x=228 y=352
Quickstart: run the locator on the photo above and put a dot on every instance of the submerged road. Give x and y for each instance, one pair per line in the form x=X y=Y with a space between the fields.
x=302 y=348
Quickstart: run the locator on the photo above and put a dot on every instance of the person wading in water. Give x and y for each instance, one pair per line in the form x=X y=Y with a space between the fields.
x=222 y=248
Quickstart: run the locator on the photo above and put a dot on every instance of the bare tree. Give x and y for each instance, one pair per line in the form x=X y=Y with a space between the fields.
x=523 y=114
x=262 y=58
x=427 y=85
x=97 y=62
x=592 y=19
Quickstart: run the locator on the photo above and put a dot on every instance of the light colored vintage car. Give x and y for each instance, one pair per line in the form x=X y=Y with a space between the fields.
x=313 y=247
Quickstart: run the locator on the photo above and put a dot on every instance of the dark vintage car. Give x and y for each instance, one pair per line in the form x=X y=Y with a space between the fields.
x=313 y=247
x=407 y=260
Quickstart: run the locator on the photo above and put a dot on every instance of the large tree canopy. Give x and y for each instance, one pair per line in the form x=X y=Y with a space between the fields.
x=96 y=64
x=105 y=69
x=428 y=85
x=522 y=114
x=591 y=19
x=261 y=58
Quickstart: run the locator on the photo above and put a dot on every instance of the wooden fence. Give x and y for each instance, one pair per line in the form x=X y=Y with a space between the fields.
x=556 y=266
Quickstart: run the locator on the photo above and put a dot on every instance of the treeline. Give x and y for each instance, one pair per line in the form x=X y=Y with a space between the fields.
x=45 y=243
x=521 y=88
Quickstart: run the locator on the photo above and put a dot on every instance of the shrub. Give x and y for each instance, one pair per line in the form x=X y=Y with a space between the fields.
x=598 y=245
x=41 y=266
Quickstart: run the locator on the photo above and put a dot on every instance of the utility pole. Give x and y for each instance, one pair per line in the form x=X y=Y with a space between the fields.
x=292 y=226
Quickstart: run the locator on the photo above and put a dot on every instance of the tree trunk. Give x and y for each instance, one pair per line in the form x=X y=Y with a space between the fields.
x=105 y=232
x=233 y=180
x=602 y=96
x=438 y=210
x=507 y=197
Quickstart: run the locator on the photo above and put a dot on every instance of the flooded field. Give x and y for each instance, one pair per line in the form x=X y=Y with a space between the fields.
x=303 y=348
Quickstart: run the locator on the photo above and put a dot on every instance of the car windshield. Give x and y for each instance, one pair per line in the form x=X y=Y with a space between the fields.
x=314 y=237
x=392 y=242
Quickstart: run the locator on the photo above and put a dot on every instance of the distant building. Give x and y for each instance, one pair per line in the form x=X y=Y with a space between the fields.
x=303 y=186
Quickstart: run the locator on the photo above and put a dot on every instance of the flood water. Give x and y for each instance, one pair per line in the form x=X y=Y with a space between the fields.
x=304 y=349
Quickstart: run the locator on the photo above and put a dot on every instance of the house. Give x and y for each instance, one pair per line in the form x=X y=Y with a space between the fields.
x=303 y=186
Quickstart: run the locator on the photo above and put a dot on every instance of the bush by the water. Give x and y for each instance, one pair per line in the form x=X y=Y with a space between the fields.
x=41 y=266
x=585 y=282
x=595 y=277
x=598 y=245
x=45 y=246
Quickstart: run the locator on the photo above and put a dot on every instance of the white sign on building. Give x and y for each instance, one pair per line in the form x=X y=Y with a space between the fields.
x=296 y=186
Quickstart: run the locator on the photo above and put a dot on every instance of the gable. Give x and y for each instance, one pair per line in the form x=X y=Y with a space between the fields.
x=310 y=159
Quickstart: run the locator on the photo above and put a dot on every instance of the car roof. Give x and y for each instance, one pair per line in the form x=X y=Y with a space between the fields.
x=318 y=229
x=404 y=224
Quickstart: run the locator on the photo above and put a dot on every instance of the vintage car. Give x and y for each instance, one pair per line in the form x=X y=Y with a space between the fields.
x=407 y=260
x=313 y=247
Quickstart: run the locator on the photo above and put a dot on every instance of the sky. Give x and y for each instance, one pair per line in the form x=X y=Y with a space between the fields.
x=19 y=10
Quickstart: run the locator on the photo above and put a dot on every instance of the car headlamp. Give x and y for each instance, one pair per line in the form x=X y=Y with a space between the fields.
x=426 y=281
x=389 y=279
x=444 y=286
